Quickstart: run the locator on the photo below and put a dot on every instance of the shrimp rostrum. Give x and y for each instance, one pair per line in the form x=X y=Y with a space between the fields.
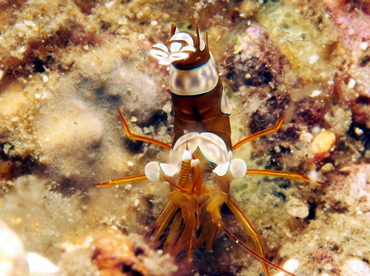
x=201 y=163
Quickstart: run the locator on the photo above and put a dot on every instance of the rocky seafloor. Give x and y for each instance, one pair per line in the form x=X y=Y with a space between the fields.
x=66 y=65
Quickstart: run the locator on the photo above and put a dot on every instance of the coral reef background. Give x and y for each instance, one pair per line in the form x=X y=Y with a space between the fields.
x=66 y=65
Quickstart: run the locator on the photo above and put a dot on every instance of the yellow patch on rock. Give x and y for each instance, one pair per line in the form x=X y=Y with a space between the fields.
x=323 y=142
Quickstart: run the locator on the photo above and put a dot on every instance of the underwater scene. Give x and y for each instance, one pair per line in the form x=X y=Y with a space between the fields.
x=226 y=137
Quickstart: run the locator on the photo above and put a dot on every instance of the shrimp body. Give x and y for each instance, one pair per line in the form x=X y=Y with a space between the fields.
x=201 y=145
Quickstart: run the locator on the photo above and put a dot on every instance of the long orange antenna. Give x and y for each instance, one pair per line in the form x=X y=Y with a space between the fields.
x=136 y=137
x=273 y=129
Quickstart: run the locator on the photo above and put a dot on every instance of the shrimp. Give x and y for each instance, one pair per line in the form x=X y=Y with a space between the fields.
x=201 y=163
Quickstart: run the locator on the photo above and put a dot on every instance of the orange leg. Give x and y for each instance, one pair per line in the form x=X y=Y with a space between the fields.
x=289 y=175
x=123 y=180
x=249 y=228
x=133 y=136
x=259 y=134
x=242 y=218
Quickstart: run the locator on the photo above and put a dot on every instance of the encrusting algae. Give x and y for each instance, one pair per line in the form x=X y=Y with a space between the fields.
x=65 y=66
